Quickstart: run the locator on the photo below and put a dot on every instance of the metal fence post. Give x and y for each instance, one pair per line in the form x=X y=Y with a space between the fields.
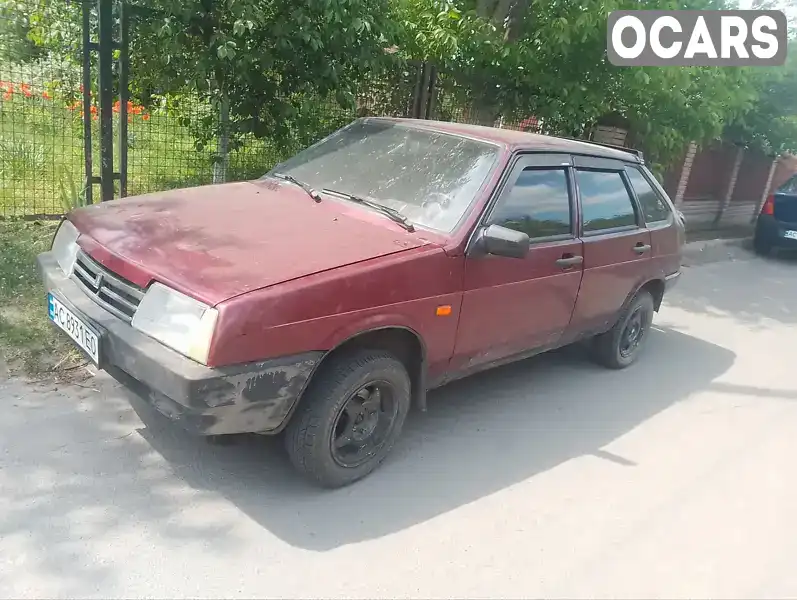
x=124 y=70
x=87 y=48
x=222 y=158
x=105 y=51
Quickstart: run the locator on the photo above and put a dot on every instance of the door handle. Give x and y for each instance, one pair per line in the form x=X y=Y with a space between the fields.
x=569 y=261
x=641 y=248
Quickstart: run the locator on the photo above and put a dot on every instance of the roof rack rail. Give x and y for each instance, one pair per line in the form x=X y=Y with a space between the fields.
x=634 y=151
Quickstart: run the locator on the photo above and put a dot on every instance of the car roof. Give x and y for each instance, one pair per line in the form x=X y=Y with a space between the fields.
x=520 y=140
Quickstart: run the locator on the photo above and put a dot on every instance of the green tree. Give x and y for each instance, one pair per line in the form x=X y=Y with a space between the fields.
x=548 y=58
x=771 y=125
x=260 y=57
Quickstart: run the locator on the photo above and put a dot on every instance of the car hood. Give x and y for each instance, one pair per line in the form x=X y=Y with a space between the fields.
x=218 y=241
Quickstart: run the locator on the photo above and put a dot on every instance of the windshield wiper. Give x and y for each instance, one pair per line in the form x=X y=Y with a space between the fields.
x=305 y=186
x=391 y=213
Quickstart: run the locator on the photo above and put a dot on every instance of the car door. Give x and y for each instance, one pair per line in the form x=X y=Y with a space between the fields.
x=617 y=245
x=514 y=305
x=665 y=231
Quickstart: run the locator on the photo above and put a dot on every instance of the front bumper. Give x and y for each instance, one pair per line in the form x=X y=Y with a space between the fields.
x=252 y=397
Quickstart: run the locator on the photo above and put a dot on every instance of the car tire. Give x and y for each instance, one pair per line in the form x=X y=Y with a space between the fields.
x=620 y=347
x=761 y=246
x=328 y=438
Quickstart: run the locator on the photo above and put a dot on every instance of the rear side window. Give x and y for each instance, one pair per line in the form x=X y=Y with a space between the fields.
x=537 y=204
x=654 y=208
x=605 y=203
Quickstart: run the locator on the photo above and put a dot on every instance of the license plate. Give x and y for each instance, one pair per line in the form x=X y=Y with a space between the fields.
x=75 y=328
x=792 y=235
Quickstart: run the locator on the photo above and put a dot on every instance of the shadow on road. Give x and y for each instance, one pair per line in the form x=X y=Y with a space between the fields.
x=480 y=435
x=727 y=289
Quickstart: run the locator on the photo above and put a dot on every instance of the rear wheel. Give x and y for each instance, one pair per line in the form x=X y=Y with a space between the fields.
x=621 y=345
x=349 y=418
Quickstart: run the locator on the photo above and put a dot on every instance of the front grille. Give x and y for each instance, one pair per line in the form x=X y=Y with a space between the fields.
x=110 y=291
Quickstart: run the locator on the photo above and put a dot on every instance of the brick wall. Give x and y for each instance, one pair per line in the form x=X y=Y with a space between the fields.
x=710 y=171
x=752 y=178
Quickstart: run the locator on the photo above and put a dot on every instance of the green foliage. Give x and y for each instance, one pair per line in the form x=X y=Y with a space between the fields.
x=14 y=27
x=771 y=126
x=27 y=341
x=71 y=197
x=264 y=56
x=516 y=58
x=21 y=158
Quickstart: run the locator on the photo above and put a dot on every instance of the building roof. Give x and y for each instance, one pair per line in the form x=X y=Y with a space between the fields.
x=521 y=140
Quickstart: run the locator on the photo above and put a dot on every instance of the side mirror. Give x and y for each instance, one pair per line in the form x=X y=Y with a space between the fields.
x=504 y=242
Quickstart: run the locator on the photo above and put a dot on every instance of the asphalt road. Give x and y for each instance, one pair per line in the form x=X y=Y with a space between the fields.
x=551 y=477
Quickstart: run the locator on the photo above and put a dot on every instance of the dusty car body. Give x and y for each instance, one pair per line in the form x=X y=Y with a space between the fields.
x=327 y=297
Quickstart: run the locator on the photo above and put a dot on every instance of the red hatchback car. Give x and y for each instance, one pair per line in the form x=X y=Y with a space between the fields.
x=394 y=256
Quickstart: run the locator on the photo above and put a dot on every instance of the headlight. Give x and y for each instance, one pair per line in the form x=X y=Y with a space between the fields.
x=65 y=246
x=182 y=323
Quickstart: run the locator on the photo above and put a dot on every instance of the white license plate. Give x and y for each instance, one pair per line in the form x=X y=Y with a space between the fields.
x=81 y=333
x=792 y=235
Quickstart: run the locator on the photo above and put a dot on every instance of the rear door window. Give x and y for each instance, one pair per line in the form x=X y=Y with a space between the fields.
x=605 y=201
x=653 y=206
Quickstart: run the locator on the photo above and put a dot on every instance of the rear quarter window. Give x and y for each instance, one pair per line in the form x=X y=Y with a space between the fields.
x=654 y=207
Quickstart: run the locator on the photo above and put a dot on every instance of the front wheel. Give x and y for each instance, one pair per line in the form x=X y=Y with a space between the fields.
x=349 y=418
x=621 y=345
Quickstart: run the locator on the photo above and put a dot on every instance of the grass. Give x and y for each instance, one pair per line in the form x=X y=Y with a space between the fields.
x=28 y=342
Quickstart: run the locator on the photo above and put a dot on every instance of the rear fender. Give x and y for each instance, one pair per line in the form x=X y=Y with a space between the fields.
x=658 y=281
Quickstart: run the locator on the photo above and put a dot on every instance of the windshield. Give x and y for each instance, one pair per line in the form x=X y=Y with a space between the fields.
x=431 y=178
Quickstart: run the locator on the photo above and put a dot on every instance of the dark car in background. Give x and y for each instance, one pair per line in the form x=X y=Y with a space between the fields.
x=392 y=257
x=776 y=226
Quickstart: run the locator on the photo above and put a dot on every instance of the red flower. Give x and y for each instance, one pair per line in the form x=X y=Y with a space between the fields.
x=46 y=96
x=25 y=89
x=145 y=117
x=7 y=95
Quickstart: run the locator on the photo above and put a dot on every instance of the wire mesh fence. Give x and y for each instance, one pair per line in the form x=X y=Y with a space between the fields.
x=41 y=147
